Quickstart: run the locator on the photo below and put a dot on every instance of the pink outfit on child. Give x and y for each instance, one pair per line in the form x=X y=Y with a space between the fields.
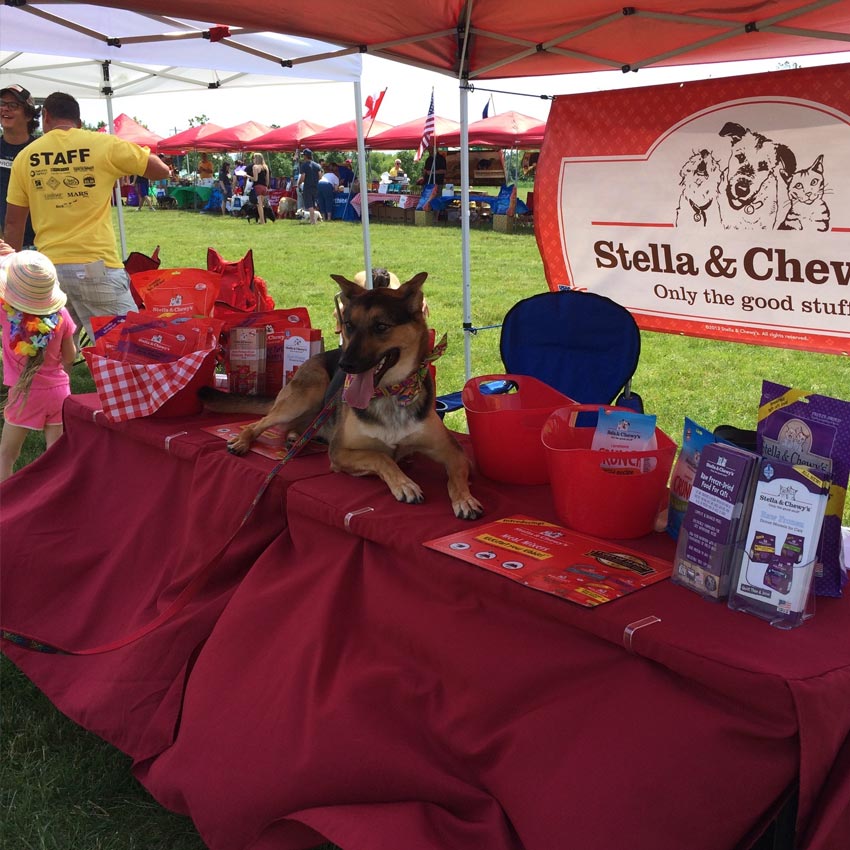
x=50 y=384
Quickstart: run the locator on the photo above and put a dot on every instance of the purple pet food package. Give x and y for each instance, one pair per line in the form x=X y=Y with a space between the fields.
x=796 y=427
x=787 y=511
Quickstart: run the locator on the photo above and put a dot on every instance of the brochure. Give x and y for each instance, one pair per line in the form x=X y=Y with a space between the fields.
x=774 y=572
x=720 y=497
x=554 y=559
x=271 y=443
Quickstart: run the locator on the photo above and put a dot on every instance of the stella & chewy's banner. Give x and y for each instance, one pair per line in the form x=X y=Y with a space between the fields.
x=718 y=209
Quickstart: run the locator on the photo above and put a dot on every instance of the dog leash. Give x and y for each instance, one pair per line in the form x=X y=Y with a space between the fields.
x=34 y=644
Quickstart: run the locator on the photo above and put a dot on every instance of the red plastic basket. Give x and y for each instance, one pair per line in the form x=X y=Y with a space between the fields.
x=595 y=500
x=186 y=402
x=505 y=427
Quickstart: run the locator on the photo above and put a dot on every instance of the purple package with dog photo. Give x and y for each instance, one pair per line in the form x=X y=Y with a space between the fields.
x=812 y=430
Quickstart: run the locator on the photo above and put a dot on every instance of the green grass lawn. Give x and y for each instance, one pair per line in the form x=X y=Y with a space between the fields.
x=63 y=788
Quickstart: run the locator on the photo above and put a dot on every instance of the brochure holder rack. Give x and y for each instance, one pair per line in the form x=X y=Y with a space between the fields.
x=711 y=581
x=779 y=591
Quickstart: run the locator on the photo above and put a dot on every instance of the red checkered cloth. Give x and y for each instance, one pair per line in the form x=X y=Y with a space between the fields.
x=132 y=390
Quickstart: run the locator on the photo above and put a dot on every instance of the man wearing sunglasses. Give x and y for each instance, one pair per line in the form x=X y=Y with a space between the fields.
x=18 y=121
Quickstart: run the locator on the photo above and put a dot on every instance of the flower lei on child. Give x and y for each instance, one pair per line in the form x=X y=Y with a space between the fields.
x=30 y=333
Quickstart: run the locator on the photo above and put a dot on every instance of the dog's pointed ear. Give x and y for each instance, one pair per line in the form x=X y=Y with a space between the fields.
x=787 y=162
x=348 y=288
x=736 y=131
x=411 y=291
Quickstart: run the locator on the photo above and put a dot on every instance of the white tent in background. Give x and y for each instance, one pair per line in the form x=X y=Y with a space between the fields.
x=93 y=52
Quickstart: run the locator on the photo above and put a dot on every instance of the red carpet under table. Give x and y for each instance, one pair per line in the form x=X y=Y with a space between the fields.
x=345 y=683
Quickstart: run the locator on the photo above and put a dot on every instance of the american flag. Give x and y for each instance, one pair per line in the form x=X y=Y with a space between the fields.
x=428 y=132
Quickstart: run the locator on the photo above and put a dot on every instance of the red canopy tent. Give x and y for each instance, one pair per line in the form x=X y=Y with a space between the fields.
x=476 y=40
x=238 y=138
x=189 y=140
x=508 y=130
x=489 y=39
x=408 y=136
x=344 y=136
x=290 y=137
x=130 y=130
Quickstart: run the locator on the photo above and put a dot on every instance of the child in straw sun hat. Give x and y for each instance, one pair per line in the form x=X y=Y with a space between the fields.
x=38 y=347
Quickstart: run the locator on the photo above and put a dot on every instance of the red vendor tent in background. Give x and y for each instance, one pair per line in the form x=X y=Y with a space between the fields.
x=127 y=128
x=288 y=138
x=238 y=138
x=407 y=136
x=344 y=136
x=506 y=130
x=189 y=140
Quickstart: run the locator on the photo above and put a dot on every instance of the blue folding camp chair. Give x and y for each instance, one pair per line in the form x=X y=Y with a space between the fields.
x=582 y=344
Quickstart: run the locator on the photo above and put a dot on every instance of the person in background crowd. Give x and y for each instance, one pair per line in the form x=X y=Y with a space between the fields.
x=143 y=190
x=308 y=182
x=18 y=121
x=73 y=224
x=241 y=175
x=262 y=177
x=38 y=351
x=225 y=184
x=436 y=166
x=346 y=174
x=397 y=172
x=328 y=185
x=434 y=172
x=205 y=168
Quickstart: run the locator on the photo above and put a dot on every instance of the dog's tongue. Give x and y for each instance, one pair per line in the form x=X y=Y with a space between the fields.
x=359 y=389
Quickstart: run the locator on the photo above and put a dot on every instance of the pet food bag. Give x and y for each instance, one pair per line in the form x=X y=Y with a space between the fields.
x=694 y=440
x=800 y=428
x=178 y=292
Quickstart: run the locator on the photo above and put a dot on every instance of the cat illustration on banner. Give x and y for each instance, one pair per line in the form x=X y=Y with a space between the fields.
x=760 y=187
x=808 y=209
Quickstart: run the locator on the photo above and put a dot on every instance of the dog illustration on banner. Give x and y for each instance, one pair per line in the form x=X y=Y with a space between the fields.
x=700 y=182
x=760 y=187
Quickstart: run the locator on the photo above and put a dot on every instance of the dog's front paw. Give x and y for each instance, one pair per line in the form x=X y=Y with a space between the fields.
x=468 y=508
x=238 y=445
x=408 y=491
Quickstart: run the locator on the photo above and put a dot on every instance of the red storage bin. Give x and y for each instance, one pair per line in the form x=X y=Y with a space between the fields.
x=186 y=402
x=505 y=427
x=597 y=501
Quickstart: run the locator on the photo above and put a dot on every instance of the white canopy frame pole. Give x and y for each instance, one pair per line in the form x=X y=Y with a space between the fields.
x=116 y=191
x=464 y=229
x=364 y=183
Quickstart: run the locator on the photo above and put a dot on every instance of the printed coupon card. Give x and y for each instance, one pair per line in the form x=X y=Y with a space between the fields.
x=554 y=559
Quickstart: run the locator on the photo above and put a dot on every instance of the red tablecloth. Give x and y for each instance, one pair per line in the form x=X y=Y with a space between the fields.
x=101 y=533
x=346 y=682
x=403 y=201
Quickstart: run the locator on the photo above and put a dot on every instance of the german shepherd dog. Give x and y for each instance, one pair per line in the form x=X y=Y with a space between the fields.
x=386 y=410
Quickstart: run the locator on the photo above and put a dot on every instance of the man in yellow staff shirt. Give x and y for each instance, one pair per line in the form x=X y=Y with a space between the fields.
x=64 y=181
